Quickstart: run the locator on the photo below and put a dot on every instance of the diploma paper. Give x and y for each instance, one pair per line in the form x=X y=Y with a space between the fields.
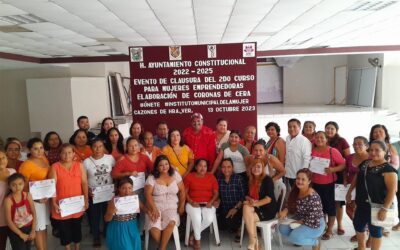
x=318 y=165
x=127 y=204
x=138 y=181
x=72 y=205
x=102 y=193
x=42 y=189
x=341 y=192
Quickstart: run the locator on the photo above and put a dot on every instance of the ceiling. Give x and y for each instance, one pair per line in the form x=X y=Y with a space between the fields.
x=70 y=28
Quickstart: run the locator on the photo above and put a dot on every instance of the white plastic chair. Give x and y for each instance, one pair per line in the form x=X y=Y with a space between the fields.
x=175 y=233
x=266 y=226
x=213 y=229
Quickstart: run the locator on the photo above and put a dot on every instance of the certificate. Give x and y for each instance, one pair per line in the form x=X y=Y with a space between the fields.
x=318 y=165
x=138 y=181
x=102 y=193
x=72 y=205
x=127 y=204
x=341 y=192
x=42 y=189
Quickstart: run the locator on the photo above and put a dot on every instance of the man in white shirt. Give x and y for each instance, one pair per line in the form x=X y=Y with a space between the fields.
x=298 y=151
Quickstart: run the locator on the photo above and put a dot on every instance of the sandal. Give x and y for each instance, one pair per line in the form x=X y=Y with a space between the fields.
x=396 y=228
x=326 y=236
x=340 y=231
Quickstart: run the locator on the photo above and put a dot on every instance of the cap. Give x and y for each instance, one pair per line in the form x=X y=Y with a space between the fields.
x=196 y=115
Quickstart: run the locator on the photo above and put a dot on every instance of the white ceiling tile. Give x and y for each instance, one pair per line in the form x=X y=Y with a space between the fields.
x=9 y=10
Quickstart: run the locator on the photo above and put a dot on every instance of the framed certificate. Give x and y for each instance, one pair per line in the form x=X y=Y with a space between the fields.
x=102 y=193
x=42 y=189
x=138 y=181
x=127 y=204
x=72 y=205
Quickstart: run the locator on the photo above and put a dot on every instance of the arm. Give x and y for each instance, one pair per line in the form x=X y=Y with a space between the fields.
x=394 y=159
x=182 y=198
x=189 y=200
x=277 y=165
x=281 y=148
x=53 y=175
x=85 y=189
x=111 y=210
x=151 y=206
x=189 y=165
x=266 y=192
x=33 y=211
x=217 y=161
x=306 y=153
x=391 y=186
x=213 y=199
x=118 y=173
x=352 y=186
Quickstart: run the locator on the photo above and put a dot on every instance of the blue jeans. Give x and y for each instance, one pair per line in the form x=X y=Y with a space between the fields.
x=96 y=215
x=303 y=235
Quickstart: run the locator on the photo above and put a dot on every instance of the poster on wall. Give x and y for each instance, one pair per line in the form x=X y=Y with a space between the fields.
x=170 y=83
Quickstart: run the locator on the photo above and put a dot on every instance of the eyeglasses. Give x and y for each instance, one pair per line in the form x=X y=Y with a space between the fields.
x=13 y=150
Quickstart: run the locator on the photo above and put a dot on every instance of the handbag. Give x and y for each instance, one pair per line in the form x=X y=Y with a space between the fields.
x=392 y=217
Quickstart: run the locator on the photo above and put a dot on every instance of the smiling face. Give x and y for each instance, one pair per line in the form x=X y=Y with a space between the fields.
x=37 y=150
x=302 y=181
x=125 y=189
x=359 y=146
x=3 y=160
x=257 y=169
x=293 y=129
x=271 y=132
x=197 y=124
x=163 y=166
x=108 y=124
x=379 y=134
x=320 y=139
x=250 y=133
x=226 y=168
x=136 y=130
x=234 y=139
x=67 y=154
x=330 y=131
x=222 y=127
x=309 y=128
x=376 y=152
x=175 y=138
x=84 y=124
x=13 y=151
x=258 y=151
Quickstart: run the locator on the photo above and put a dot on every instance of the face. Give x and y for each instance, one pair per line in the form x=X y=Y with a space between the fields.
x=271 y=132
x=81 y=139
x=376 y=153
x=136 y=130
x=133 y=147
x=98 y=149
x=84 y=124
x=148 y=140
x=162 y=130
x=113 y=136
x=3 y=160
x=67 y=154
x=201 y=168
x=222 y=127
x=293 y=129
x=17 y=185
x=379 y=134
x=163 y=166
x=54 y=141
x=320 y=140
x=330 y=131
x=257 y=169
x=258 y=151
x=175 y=138
x=234 y=139
x=226 y=168
x=108 y=124
x=125 y=190
x=309 y=128
x=249 y=134
x=302 y=181
x=37 y=150
x=13 y=151
x=359 y=146
x=197 y=124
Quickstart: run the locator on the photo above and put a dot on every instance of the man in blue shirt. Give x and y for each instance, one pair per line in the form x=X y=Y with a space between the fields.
x=161 y=137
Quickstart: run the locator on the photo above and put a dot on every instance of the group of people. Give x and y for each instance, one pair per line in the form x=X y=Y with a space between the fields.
x=200 y=173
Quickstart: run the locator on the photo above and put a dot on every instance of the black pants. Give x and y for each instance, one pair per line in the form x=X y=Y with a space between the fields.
x=398 y=197
x=17 y=243
x=70 y=231
x=96 y=215
x=230 y=224
x=4 y=231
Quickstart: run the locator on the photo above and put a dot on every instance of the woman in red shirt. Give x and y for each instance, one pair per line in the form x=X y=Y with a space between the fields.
x=323 y=155
x=201 y=193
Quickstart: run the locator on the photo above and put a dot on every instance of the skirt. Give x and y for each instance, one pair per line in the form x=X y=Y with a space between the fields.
x=123 y=235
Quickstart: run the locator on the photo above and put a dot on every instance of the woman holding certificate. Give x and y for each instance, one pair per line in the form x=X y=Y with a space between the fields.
x=36 y=168
x=101 y=189
x=71 y=196
x=165 y=196
x=325 y=162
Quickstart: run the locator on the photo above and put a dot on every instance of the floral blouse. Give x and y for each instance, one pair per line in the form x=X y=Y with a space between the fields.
x=309 y=210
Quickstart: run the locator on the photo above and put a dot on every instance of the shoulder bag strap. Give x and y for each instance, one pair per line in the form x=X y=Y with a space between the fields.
x=176 y=155
x=365 y=182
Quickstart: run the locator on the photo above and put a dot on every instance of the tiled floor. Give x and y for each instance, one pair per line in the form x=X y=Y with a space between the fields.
x=208 y=242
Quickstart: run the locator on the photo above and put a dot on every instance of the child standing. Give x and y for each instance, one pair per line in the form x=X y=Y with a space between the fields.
x=20 y=214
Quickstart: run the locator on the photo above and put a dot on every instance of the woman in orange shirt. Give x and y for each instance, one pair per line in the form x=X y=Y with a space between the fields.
x=79 y=139
x=36 y=168
x=71 y=181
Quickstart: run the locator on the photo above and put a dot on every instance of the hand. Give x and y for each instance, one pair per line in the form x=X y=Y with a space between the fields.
x=209 y=205
x=56 y=207
x=32 y=235
x=348 y=197
x=86 y=204
x=154 y=215
x=194 y=204
x=181 y=210
x=382 y=214
x=282 y=214
x=231 y=213
x=328 y=170
x=44 y=200
x=252 y=203
x=216 y=203
x=134 y=173
x=24 y=237
x=90 y=192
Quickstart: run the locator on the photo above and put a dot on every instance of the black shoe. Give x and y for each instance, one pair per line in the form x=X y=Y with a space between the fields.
x=96 y=243
x=55 y=233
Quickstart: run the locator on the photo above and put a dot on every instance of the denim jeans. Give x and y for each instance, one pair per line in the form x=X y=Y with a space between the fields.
x=96 y=214
x=303 y=235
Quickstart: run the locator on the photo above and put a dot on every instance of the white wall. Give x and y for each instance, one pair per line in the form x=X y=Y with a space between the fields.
x=310 y=80
x=391 y=82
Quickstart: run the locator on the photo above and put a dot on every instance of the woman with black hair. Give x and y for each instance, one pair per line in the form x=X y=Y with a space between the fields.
x=52 y=146
x=276 y=146
x=80 y=140
x=165 y=197
x=379 y=132
x=106 y=124
x=115 y=143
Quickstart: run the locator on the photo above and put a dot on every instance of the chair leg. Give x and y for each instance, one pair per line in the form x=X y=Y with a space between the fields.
x=188 y=224
x=216 y=231
x=266 y=233
x=241 y=233
x=146 y=239
x=176 y=238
